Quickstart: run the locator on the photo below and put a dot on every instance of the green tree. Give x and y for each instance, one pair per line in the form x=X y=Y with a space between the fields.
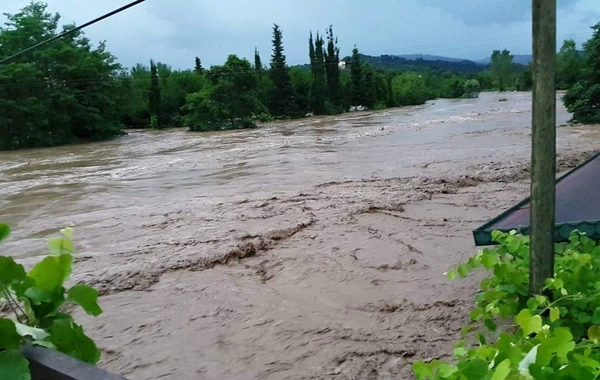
x=525 y=81
x=198 y=69
x=472 y=88
x=317 y=65
x=154 y=97
x=301 y=81
x=229 y=102
x=452 y=87
x=257 y=61
x=569 y=65
x=583 y=98
x=332 y=58
x=501 y=67
x=356 y=73
x=66 y=92
x=410 y=89
x=282 y=103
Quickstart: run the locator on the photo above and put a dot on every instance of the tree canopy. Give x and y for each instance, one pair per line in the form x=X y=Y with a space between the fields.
x=583 y=98
x=64 y=93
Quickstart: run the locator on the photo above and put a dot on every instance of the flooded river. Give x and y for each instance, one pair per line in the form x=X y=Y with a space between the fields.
x=311 y=248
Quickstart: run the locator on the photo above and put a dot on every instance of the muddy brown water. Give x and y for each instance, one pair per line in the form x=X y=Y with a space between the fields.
x=306 y=249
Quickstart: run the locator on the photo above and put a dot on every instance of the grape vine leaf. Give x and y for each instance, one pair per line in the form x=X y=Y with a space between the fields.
x=594 y=334
x=86 y=297
x=60 y=246
x=37 y=295
x=69 y=338
x=474 y=370
x=50 y=273
x=9 y=338
x=10 y=271
x=14 y=366
x=502 y=371
x=4 y=231
x=529 y=323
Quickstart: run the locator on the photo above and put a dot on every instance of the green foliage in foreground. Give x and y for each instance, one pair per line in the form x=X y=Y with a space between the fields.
x=514 y=335
x=36 y=303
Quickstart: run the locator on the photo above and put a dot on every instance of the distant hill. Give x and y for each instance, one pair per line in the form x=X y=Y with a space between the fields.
x=522 y=59
x=419 y=62
x=429 y=57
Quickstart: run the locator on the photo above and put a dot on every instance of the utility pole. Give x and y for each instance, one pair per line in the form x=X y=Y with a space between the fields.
x=543 y=145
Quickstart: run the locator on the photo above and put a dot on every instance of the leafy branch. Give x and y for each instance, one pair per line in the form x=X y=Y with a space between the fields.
x=555 y=335
x=36 y=298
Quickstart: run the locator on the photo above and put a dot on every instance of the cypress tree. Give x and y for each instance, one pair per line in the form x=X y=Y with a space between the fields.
x=357 y=79
x=317 y=65
x=154 y=96
x=257 y=61
x=282 y=97
x=332 y=58
x=198 y=66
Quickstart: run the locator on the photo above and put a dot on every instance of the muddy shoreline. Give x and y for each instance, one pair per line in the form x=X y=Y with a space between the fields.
x=311 y=249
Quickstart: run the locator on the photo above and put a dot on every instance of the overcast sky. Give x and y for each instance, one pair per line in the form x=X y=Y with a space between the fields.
x=175 y=31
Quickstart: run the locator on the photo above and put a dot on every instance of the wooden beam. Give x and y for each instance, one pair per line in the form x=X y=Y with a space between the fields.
x=543 y=144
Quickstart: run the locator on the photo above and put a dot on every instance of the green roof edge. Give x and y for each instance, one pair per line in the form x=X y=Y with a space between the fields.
x=483 y=234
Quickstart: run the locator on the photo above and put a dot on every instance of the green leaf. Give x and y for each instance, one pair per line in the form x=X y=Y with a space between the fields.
x=529 y=323
x=4 y=231
x=563 y=342
x=474 y=370
x=554 y=314
x=9 y=338
x=10 y=271
x=490 y=324
x=13 y=366
x=451 y=274
x=69 y=338
x=61 y=246
x=86 y=297
x=50 y=273
x=422 y=370
x=594 y=334
x=446 y=370
x=37 y=295
x=459 y=352
x=502 y=371
x=463 y=270
x=68 y=232
x=489 y=261
x=35 y=333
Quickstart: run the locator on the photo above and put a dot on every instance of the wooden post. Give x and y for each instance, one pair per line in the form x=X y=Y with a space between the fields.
x=543 y=144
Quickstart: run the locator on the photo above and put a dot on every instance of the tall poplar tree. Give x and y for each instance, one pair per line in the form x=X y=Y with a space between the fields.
x=282 y=97
x=332 y=58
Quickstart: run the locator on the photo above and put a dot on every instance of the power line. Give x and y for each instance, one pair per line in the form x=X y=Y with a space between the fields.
x=50 y=40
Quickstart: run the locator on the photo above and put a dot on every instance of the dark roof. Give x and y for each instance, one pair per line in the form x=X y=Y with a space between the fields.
x=577 y=207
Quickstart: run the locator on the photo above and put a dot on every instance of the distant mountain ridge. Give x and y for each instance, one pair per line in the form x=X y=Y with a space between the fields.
x=521 y=59
x=436 y=62
x=430 y=57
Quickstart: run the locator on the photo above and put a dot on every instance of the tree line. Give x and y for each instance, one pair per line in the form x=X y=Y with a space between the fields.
x=71 y=91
